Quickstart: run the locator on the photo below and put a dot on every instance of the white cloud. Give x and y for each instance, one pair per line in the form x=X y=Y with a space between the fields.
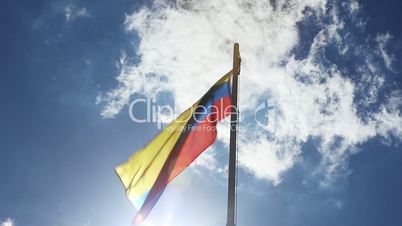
x=383 y=40
x=389 y=119
x=7 y=222
x=190 y=43
x=72 y=12
x=352 y=5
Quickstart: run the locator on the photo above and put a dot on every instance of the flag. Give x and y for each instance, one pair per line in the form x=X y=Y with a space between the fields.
x=147 y=172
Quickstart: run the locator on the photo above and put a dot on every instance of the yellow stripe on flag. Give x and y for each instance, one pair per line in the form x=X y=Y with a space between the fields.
x=140 y=171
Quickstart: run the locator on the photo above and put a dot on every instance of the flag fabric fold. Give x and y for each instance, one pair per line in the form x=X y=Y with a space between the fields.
x=147 y=172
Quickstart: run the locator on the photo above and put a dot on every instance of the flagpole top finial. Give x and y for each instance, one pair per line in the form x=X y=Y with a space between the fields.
x=236 y=59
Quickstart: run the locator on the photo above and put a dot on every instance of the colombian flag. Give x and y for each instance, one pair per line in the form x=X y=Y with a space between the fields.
x=147 y=172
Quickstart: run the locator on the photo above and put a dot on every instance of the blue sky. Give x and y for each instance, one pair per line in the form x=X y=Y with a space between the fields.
x=70 y=68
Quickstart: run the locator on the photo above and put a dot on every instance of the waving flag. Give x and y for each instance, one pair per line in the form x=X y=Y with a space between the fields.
x=147 y=172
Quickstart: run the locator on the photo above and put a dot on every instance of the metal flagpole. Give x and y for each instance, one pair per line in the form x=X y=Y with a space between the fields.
x=231 y=214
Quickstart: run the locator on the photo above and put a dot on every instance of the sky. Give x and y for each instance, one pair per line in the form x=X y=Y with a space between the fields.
x=320 y=99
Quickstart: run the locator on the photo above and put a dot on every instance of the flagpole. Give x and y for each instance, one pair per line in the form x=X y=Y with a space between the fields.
x=231 y=214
